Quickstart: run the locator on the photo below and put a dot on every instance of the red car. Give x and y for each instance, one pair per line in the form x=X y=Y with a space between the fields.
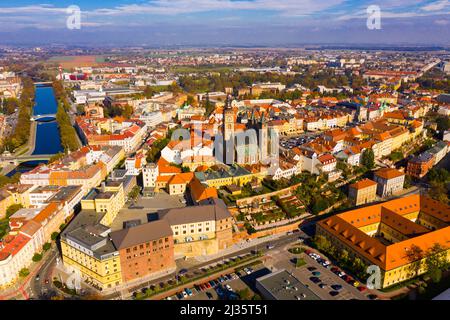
x=334 y=269
x=308 y=251
x=361 y=288
x=207 y=285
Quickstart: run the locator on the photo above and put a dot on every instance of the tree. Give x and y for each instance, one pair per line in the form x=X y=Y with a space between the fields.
x=54 y=235
x=21 y=132
x=436 y=262
x=149 y=92
x=415 y=255
x=37 y=257
x=46 y=246
x=438 y=191
x=320 y=204
x=368 y=158
x=408 y=181
x=322 y=243
x=69 y=139
x=190 y=100
x=344 y=256
x=244 y=294
x=10 y=105
x=24 y=272
x=56 y=157
x=443 y=123
x=13 y=209
x=127 y=111
x=134 y=193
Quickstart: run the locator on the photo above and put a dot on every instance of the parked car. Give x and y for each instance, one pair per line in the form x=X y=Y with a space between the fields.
x=316 y=273
x=228 y=287
x=336 y=287
x=209 y=295
x=361 y=288
x=322 y=285
x=314 y=279
x=334 y=293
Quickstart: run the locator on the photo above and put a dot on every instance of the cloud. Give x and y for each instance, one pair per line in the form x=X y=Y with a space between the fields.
x=436 y=6
x=174 y=7
x=33 y=9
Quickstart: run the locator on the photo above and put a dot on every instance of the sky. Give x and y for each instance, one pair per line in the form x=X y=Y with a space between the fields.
x=225 y=22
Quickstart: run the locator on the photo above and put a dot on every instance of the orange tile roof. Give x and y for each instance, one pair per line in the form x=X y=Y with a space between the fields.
x=182 y=178
x=346 y=227
x=199 y=191
x=389 y=173
x=362 y=184
x=49 y=210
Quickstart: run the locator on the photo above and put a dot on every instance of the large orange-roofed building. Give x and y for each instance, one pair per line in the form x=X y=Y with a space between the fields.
x=383 y=234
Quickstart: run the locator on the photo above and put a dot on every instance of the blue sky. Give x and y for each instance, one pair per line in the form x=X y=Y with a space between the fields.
x=239 y=22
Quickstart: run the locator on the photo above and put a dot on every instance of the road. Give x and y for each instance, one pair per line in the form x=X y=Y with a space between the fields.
x=40 y=289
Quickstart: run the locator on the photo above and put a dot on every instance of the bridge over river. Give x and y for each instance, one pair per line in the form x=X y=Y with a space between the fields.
x=43 y=116
x=25 y=158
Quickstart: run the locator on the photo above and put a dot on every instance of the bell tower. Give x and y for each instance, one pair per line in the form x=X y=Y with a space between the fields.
x=228 y=132
x=228 y=121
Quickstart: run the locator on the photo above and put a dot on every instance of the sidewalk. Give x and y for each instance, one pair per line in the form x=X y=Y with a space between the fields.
x=238 y=247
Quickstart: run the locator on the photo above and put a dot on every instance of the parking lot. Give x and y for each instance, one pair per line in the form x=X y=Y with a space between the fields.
x=289 y=143
x=319 y=279
x=222 y=288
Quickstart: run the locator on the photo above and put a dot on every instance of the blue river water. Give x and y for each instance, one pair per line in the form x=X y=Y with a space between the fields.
x=48 y=140
x=45 y=101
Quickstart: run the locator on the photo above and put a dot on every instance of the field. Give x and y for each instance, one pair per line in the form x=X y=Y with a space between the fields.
x=69 y=62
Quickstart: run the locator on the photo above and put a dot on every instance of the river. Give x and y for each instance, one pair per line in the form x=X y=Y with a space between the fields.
x=48 y=140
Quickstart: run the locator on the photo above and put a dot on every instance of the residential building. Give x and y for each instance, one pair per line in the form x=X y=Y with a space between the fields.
x=362 y=192
x=200 y=230
x=389 y=181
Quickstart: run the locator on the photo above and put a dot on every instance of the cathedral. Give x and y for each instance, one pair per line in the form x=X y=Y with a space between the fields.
x=249 y=144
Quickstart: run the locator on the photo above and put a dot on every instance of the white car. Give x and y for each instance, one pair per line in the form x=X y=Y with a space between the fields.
x=228 y=287
x=185 y=295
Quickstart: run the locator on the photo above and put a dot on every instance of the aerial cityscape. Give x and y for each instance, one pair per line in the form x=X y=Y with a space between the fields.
x=224 y=150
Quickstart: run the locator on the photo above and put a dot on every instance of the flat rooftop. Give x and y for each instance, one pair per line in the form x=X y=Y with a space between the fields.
x=281 y=285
